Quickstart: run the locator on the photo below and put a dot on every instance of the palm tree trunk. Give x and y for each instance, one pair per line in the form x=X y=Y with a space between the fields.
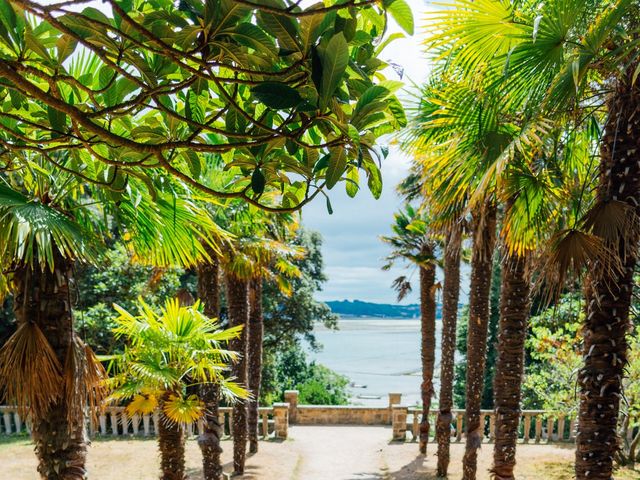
x=514 y=313
x=238 y=303
x=171 y=440
x=42 y=296
x=450 y=297
x=209 y=441
x=609 y=290
x=256 y=332
x=481 y=267
x=428 y=313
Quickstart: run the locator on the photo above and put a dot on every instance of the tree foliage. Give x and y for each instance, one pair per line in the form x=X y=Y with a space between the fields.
x=291 y=100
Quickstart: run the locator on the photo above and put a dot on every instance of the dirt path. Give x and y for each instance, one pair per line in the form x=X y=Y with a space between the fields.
x=310 y=453
x=340 y=453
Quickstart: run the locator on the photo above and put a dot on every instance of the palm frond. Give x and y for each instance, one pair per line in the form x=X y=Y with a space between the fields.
x=30 y=373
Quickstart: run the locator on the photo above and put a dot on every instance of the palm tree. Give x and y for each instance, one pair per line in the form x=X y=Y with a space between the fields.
x=258 y=252
x=165 y=354
x=577 y=57
x=209 y=441
x=49 y=220
x=450 y=297
x=237 y=294
x=411 y=242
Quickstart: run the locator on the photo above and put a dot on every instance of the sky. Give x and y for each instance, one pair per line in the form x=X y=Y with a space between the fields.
x=352 y=250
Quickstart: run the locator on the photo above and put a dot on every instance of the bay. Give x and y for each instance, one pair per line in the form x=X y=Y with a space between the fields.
x=379 y=356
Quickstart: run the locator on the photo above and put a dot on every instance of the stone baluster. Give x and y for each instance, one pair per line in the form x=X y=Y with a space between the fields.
x=189 y=430
x=281 y=418
x=124 y=419
x=102 y=420
x=221 y=418
x=200 y=426
x=18 y=421
x=6 y=416
x=113 y=416
x=146 y=420
x=527 y=427
x=572 y=429
x=550 y=421
x=399 y=422
x=560 y=436
x=538 y=428
x=265 y=424
x=459 y=424
x=156 y=422
x=135 y=424
x=415 y=427
x=291 y=397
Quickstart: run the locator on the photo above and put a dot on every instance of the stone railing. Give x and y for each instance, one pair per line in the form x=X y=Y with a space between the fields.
x=115 y=422
x=536 y=426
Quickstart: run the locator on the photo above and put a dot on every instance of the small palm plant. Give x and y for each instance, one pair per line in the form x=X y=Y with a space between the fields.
x=168 y=352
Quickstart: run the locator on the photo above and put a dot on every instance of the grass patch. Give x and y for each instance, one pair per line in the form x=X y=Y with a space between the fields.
x=565 y=471
x=10 y=440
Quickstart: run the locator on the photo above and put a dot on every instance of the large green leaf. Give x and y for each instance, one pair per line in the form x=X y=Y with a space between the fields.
x=401 y=13
x=336 y=167
x=335 y=58
x=277 y=95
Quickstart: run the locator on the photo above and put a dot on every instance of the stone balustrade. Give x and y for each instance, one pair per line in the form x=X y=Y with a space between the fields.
x=116 y=422
x=536 y=426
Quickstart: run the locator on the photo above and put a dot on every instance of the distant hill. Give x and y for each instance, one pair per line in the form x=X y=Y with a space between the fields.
x=358 y=308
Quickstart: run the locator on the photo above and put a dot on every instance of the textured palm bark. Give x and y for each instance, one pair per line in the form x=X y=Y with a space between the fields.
x=512 y=331
x=238 y=304
x=43 y=297
x=484 y=229
x=428 y=347
x=171 y=440
x=256 y=333
x=450 y=297
x=609 y=291
x=209 y=441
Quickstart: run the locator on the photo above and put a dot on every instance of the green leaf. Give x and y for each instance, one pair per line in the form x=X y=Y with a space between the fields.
x=353 y=180
x=575 y=72
x=7 y=15
x=335 y=58
x=258 y=181
x=65 y=45
x=284 y=28
x=401 y=13
x=309 y=27
x=252 y=36
x=337 y=166
x=277 y=95
x=329 y=207
x=35 y=45
x=57 y=119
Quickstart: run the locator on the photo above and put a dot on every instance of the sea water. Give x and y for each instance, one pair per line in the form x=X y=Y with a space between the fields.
x=378 y=356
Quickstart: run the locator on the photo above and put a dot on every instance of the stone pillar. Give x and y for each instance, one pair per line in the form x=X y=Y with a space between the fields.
x=399 y=422
x=395 y=399
x=291 y=397
x=281 y=419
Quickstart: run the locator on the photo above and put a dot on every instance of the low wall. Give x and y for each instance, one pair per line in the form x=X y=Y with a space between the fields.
x=342 y=415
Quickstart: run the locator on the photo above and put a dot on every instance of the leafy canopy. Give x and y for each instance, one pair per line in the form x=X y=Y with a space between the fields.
x=292 y=100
